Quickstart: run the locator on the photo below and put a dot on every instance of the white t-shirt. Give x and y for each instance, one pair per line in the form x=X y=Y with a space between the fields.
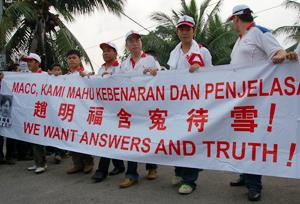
x=145 y=61
x=197 y=54
x=111 y=70
x=258 y=44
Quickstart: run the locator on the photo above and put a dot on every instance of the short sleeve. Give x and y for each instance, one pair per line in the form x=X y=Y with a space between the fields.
x=267 y=42
x=207 y=57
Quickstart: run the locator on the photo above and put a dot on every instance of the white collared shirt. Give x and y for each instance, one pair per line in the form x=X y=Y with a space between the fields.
x=114 y=68
x=145 y=61
x=258 y=44
x=183 y=62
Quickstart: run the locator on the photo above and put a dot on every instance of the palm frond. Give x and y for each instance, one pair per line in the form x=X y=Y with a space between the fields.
x=88 y=6
x=20 y=40
x=287 y=30
x=163 y=18
x=20 y=9
x=291 y=4
x=213 y=12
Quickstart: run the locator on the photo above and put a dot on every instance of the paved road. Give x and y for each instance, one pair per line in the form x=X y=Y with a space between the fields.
x=55 y=186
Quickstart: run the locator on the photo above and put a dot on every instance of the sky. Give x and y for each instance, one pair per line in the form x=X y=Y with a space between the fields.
x=101 y=26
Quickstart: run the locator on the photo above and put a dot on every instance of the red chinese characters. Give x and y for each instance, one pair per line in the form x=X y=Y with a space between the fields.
x=95 y=115
x=66 y=111
x=124 y=117
x=244 y=118
x=40 y=109
x=197 y=118
x=158 y=118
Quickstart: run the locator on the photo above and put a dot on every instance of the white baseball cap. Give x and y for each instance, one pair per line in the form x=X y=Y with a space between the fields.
x=131 y=33
x=239 y=10
x=186 y=20
x=32 y=56
x=108 y=44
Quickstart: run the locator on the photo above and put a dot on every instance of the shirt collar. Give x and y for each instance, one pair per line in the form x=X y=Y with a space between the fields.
x=251 y=25
x=115 y=64
x=133 y=63
x=39 y=71
x=80 y=69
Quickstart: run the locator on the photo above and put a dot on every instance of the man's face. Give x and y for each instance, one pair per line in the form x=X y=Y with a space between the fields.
x=18 y=68
x=5 y=109
x=185 y=33
x=134 y=44
x=109 y=54
x=56 y=71
x=73 y=61
x=236 y=23
x=33 y=65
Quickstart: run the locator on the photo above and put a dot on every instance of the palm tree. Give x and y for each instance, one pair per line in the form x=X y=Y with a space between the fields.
x=37 y=26
x=293 y=31
x=210 y=31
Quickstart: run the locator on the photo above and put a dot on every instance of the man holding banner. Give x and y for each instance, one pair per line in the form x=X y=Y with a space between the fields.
x=39 y=154
x=138 y=61
x=255 y=44
x=81 y=162
x=188 y=54
x=110 y=67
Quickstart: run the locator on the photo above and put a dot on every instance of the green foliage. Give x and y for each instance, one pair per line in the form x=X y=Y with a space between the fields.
x=30 y=26
x=293 y=31
x=210 y=31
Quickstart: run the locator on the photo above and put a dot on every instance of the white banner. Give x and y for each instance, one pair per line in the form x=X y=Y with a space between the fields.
x=242 y=119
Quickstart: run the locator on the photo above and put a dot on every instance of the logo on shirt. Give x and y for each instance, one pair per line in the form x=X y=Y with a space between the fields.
x=195 y=58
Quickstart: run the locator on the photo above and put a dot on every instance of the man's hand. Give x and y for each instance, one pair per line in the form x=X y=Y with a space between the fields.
x=279 y=57
x=146 y=70
x=292 y=56
x=193 y=68
x=83 y=74
x=151 y=70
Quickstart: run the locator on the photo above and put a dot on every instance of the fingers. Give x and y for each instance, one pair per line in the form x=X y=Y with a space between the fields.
x=292 y=56
x=153 y=72
x=278 y=59
x=146 y=70
x=193 y=68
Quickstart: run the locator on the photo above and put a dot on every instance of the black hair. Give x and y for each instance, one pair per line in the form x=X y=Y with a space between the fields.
x=74 y=52
x=4 y=99
x=14 y=67
x=55 y=65
x=246 y=16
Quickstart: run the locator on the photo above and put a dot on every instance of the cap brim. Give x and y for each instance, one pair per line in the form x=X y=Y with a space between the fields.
x=26 y=59
x=134 y=35
x=230 y=18
x=185 y=23
x=103 y=45
x=235 y=14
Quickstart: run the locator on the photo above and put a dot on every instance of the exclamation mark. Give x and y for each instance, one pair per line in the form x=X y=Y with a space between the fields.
x=292 y=152
x=272 y=113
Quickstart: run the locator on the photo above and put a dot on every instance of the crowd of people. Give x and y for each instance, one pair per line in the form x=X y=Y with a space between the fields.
x=255 y=44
